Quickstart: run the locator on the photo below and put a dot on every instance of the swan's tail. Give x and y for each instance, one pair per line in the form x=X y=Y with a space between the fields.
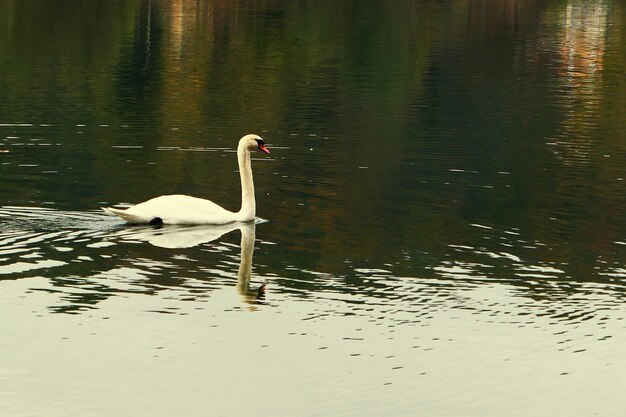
x=124 y=214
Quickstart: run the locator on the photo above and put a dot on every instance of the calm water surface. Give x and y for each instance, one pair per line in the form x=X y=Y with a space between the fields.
x=441 y=220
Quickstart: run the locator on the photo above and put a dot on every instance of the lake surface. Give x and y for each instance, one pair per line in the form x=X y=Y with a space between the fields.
x=441 y=221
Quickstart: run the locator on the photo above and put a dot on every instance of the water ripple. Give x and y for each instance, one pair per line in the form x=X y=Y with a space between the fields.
x=89 y=257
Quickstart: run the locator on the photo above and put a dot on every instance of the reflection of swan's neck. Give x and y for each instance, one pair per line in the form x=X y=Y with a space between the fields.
x=245 y=266
x=248 y=205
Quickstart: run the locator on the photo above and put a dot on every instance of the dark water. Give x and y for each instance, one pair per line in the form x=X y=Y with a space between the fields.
x=442 y=222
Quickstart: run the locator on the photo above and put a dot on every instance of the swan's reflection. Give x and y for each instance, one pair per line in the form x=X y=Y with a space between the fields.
x=189 y=236
x=245 y=266
x=172 y=237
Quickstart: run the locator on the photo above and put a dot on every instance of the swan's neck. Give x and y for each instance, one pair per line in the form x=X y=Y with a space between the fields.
x=248 y=205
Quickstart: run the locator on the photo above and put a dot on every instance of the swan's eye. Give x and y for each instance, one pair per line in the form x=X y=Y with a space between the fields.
x=260 y=142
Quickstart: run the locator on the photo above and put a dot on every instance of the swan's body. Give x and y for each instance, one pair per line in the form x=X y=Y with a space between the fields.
x=184 y=209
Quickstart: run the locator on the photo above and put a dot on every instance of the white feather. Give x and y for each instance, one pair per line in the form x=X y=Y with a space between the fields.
x=184 y=209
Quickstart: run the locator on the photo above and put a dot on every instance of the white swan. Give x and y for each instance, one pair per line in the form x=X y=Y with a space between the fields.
x=184 y=209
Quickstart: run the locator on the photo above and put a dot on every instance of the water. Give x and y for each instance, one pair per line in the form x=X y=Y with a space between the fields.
x=441 y=220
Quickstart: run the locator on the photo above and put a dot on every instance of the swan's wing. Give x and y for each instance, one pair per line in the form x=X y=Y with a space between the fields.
x=129 y=217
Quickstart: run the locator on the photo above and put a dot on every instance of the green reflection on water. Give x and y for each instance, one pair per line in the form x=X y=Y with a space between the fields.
x=398 y=124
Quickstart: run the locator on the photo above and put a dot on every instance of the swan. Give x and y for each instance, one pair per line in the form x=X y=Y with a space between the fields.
x=184 y=209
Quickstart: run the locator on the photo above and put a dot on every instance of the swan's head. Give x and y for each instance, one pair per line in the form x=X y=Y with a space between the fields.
x=251 y=142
